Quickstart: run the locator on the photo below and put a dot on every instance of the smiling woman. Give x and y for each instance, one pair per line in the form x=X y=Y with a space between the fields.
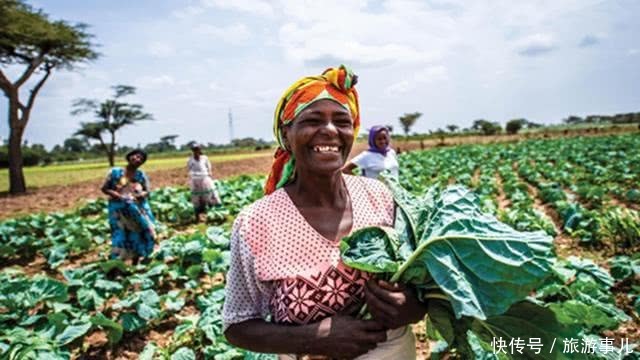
x=288 y=291
x=321 y=137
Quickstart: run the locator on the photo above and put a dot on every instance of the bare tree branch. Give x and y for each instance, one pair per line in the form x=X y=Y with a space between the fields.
x=27 y=59
x=34 y=93
x=5 y=84
x=35 y=64
x=123 y=90
x=81 y=106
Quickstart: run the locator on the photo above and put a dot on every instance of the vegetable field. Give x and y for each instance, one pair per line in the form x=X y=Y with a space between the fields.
x=61 y=297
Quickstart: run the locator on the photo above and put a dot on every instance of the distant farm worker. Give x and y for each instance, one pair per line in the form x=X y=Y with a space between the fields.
x=288 y=291
x=203 y=191
x=130 y=218
x=378 y=158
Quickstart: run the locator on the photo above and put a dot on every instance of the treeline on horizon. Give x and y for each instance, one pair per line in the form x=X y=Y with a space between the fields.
x=77 y=148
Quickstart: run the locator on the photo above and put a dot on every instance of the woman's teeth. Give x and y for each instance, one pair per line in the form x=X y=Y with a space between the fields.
x=323 y=149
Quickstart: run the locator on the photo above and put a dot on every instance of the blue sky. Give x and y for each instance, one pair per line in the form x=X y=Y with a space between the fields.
x=452 y=60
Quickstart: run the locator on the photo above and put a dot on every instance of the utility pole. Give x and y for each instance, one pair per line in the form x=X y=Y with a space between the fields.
x=230 y=127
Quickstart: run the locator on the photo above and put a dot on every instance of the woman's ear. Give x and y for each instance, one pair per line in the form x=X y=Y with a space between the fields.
x=285 y=138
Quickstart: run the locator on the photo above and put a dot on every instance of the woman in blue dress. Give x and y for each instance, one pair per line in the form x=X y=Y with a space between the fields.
x=130 y=218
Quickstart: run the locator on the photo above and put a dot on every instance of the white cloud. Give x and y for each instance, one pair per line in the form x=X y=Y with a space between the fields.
x=432 y=74
x=340 y=49
x=160 y=49
x=356 y=35
x=188 y=12
x=155 y=82
x=398 y=88
x=233 y=34
x=536 y=44
x=255 y=7
x=429 y=75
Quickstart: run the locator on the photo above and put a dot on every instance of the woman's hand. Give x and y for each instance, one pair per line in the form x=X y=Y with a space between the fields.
x=342 y=336
x=141 y=195
x=393 y=305
x=115 y=195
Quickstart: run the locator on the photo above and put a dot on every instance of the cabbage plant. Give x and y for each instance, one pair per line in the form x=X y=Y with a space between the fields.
x=474 y=272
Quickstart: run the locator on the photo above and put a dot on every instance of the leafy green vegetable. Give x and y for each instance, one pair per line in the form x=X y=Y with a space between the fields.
x=482 y=265
x=72 y=332
x=183 y=354
x=114 y=330
x=623 y=267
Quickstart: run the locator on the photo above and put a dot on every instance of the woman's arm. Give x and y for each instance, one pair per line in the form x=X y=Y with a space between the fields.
x=146 y=186
x=209 y=171
x=348 y=169
x=106 y=189
x=111 y=193
x=339 y=336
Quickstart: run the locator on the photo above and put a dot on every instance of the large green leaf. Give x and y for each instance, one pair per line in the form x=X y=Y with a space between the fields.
x=47 y=289
x=193 y=271
x=56 y=255
x=107 y=285
x=412 y=211
x=132 y=322
x=173 y=301
x=623 y=267
x=441 y=317
x=148 y=351
x=577 y=312
x=72 y=332
x=147 y=312
x=89 y=298
x=109 y=265
x=590 y=268
x=113 y=329
x=371 y=249
x=183 y=354
x=526 y=320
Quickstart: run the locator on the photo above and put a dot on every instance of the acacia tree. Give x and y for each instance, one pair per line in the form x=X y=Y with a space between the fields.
x=112 y=114
x=168 y=141
x=486 y=127
x=92 y=131
x=75 y=145
x=452 y=128
x=514 y=125
x=37 y=45
x=407 y=121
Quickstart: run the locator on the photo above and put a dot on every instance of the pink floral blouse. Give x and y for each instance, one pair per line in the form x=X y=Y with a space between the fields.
x=283 y=269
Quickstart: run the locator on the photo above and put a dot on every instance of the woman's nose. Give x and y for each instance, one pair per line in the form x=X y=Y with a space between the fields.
x=331 y=127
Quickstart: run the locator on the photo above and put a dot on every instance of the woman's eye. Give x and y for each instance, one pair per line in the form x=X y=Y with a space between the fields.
x=342 y=122
x=311 y=121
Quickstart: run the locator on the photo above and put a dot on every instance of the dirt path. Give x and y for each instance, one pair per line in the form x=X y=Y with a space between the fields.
x=501 y=198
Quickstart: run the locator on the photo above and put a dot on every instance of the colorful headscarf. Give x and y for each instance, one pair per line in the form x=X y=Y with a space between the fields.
x=335 y=84
x=372 y=140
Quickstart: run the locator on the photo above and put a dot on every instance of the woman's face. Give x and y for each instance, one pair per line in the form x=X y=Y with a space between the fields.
x=320 y=137
x=136 y=160
x=382 y=139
